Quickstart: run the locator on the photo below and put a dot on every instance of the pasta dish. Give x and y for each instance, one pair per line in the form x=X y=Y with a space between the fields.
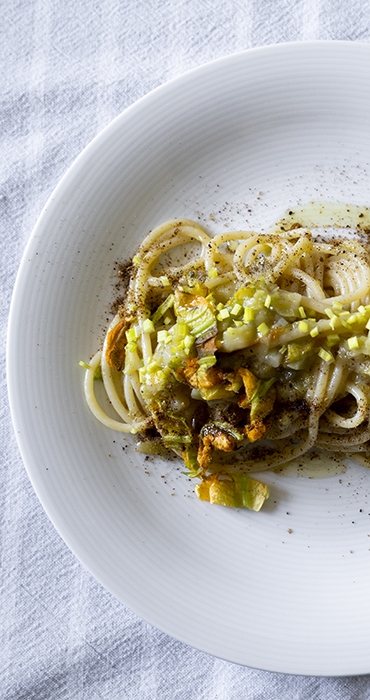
x=242 y=357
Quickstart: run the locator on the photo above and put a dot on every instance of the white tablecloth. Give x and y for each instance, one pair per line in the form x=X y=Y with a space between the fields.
x=67 y=69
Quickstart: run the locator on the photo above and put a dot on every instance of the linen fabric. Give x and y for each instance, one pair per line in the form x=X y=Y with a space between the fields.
x=67 y=69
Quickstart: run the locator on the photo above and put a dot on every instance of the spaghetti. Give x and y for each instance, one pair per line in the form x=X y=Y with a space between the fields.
x=245 y=357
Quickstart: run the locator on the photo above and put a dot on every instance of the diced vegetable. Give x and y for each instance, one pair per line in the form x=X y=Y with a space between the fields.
x=238 y=491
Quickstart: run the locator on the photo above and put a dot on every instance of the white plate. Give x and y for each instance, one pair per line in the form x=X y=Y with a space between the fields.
x=234 y=143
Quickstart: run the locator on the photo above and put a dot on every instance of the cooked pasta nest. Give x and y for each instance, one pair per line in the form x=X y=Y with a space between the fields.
x=242 y=356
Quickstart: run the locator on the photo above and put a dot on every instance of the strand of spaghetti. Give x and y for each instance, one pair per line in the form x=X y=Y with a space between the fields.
x=157 y=282
x=318 y=391
x=251 y=254
x=354 y=281
x=175 y=237
x=111 y=389
x=347 y=245
x=151 y=258
x=132 y=364
x=317 y=267
x=222 y=260
x=347 y=281
x=143 y=273
x=289 y=431
x=314 y=397
x=361 y=367
x=319 y=380
x=242 y=255
x=314 y=289
x=263 y=239
x=292 y=285
x=168 y=228
x=347 y=274
x=220 y=280
x=318 y=305
x=175 y=272
x=343 y=442
x=287 y=455
x=361 y=414
x=360 y=282
x=302 y=247
x=306 y=264
x=338 y=282
x=180 y=270
x=140 y=287
x=281 y=257
x=361 y=288
x=92 y=402
x=130 y=399
x=339 y=374
x=323 y=326
x=361 y=459
x=132 y=361
x=160 y=246
x=359 y=436
x=135 y=383
x=214 y=243
x=146 y=343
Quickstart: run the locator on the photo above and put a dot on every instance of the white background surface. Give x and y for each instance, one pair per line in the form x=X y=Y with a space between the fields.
x=67 y=70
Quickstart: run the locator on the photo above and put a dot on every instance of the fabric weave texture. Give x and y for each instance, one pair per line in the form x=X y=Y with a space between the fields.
x=67 y=69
